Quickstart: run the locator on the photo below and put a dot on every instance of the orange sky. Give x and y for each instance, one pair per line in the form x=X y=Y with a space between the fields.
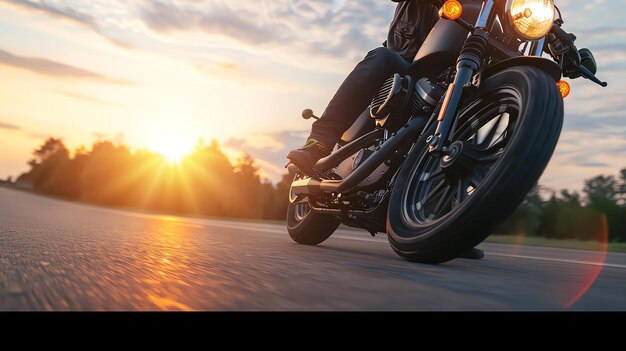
x=157 y=73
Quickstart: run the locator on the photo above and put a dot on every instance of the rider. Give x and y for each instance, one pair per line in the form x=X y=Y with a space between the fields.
x=412 y=22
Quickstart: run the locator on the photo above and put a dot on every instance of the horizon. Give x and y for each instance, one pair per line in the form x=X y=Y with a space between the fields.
x=162 y=75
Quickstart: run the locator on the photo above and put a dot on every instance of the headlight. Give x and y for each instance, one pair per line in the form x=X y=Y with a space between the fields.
x=532 y=19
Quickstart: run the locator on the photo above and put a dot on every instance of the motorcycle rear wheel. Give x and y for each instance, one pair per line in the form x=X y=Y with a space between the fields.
x=307 y=227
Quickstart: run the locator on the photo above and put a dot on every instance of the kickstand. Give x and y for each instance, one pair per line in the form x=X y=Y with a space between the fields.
x=473 y=254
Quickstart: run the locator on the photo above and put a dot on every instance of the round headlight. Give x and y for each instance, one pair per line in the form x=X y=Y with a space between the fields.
x=532 y=19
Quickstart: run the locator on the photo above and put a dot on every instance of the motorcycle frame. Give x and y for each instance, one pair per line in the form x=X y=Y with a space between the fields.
x=450 y=42
x=470 y=72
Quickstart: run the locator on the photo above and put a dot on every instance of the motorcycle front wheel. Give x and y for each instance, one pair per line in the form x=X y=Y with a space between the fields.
x=502 y=142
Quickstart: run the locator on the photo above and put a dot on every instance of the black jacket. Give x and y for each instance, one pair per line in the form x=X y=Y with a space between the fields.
x=411 y=24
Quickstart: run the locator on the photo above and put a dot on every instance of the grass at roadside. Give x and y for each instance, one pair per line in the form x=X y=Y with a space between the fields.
x=561 y=244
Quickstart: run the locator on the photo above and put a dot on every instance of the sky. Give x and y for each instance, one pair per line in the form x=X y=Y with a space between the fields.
x=162 y=74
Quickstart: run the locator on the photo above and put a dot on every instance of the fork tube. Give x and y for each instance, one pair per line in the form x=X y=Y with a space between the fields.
x=468 y=63
x=537 y=47
x=486 y=15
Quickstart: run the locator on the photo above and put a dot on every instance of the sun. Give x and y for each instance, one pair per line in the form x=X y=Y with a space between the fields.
x=174 y=146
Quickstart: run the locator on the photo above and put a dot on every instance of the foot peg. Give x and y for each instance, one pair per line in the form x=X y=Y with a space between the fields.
x=308 y=114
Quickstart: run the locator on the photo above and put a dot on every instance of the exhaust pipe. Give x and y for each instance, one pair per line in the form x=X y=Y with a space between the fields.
x=333 y=160
x=312 y=186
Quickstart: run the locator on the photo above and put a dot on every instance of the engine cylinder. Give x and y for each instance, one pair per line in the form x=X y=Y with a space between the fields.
x=400 y=98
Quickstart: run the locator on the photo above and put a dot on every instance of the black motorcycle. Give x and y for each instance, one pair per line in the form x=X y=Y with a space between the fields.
x=445 y=154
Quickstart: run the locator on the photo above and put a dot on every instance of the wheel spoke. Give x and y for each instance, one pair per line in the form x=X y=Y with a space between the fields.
x=497 y=134
x=498 y=144
x=461 y=192
x=491 y=133
x=493 y=157
x=432 y=176
x=444 y=202
x=485 y=128
x=431 y=195
x=436 y=174
x=476 y=177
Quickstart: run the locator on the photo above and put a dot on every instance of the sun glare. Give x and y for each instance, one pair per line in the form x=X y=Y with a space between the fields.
x=174 y=146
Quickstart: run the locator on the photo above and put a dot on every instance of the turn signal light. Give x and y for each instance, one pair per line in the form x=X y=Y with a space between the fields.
x=451 y=10
x=564 y=88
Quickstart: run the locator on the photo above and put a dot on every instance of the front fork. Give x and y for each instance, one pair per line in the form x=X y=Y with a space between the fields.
x=468 y=65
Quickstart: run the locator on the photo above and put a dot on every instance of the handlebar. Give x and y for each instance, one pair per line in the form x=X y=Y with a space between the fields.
x=563 y=36
x=569 y=39
x=587 y=74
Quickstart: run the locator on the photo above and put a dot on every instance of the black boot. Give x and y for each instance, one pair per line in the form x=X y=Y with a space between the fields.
x=307 y=156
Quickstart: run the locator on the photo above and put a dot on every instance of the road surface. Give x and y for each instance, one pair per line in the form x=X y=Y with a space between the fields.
x=57 y=255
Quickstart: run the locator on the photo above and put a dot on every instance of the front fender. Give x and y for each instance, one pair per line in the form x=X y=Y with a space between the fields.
x=544 y=64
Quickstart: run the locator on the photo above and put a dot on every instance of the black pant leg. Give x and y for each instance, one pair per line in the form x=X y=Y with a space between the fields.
x=356 y=93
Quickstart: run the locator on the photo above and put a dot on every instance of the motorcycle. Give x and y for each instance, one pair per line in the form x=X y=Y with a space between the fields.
x=446 y=153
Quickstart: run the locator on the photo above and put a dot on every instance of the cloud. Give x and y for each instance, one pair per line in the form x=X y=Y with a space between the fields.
x=335 y=33
x=16 y=128
x=335 y=30
x=166 y=17
x=612 y=124
x=588 y=146
x=593 y=164
x=67 y=14
x=269 y=150
x=9 y=126
x=52 y=68
x=39 y=135
x=87 y=98
x=605 y=32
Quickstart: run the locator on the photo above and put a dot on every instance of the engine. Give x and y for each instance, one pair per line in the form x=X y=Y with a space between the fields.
x=400 y=98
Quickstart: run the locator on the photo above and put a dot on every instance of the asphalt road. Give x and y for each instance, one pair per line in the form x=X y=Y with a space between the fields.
x=57 y=255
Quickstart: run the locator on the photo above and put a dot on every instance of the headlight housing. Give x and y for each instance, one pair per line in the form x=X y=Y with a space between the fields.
x=532 y=19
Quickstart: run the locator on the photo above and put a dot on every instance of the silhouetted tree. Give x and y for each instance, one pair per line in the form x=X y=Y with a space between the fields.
x=525 y=220
x=207 y=183
x=603 y=194
x=49 y=167
x=622 y=187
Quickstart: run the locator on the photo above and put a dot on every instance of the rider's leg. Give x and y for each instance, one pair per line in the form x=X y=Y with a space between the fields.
x=354 y=95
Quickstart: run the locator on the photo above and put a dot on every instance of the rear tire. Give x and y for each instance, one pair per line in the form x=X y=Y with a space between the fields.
x=308 y=227
x=522 y=156
x=305 y=226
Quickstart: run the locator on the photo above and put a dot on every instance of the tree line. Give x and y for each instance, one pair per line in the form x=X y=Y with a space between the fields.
x=206 y=183
x=598 y=214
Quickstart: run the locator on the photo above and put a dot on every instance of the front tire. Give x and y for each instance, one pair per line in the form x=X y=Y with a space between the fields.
x=441 y=208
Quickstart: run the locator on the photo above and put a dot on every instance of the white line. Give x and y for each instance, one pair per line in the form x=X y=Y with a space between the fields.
x=370 y=240
x=258 y=228
x=535 y=258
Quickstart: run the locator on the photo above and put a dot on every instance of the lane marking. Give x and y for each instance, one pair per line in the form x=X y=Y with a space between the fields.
x=259 y=228
x=370 y=240
x=256 y=227
x=560 y=260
